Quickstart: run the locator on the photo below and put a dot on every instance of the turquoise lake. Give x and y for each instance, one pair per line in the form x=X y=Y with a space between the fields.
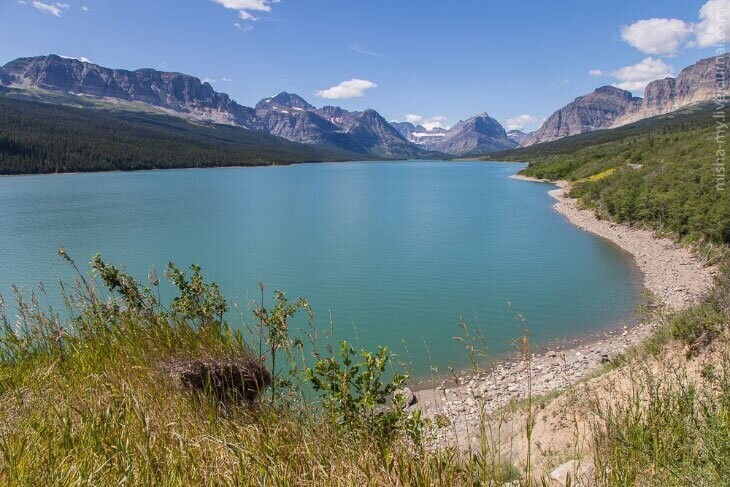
x=390 y=253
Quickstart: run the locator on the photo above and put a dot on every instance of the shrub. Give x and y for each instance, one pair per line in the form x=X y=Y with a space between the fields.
x=354 y=392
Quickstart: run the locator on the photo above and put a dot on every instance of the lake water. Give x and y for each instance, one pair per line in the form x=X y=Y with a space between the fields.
x=390 y=253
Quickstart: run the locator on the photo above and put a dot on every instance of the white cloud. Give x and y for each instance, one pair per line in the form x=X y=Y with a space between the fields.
x=84 y=8
x=226 y=79
x=55 y=9
x=245 y=7
x=635 y=77
x=521 y=121
x=596 y=72
x=352 y=88
x=657 y=36
x=665 y=37
x=437 y=121
x=83 y=59
x=714 y=25
x=210 y=81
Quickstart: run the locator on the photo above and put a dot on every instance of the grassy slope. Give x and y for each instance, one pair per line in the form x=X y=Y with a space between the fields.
x=88 y=402
x=43 y=138
x=657 y=171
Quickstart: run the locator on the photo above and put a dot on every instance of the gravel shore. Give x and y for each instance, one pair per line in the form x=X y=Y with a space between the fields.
x=671 y=273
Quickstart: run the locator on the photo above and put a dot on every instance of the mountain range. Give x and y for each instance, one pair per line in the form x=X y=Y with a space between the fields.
x=66 y=81
x=285 y=115
x=610 y=107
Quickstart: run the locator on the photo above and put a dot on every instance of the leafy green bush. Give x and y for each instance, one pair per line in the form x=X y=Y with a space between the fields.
x=352 y=391
x=690 y=324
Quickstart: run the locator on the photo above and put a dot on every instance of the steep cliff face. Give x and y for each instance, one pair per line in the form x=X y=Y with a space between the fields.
x=695 y=84
x=174 y=91
x=586 y=113
x=369 y=129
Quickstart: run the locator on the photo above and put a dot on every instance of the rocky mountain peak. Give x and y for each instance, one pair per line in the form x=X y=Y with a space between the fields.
x=477 y=135
x=285 y=100
x=612 y=91
x=483 y=124
x=589 y=112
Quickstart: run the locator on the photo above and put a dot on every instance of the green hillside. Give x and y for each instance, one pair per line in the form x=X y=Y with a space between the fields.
x=38 y=138
x=658 y=171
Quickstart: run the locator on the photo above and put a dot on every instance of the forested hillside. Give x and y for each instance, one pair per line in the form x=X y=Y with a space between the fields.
x=40 y=138
x=659 y=171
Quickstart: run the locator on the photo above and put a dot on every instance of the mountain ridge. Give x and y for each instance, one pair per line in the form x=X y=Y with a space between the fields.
x=611 y=107
x=693 y=85
x=285 y=115
x=291 y=117
x=182 y=93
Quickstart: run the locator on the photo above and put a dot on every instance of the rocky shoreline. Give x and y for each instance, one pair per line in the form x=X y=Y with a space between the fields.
x=671 y=273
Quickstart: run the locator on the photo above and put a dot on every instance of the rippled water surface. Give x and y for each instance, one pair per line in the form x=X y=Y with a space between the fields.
x=391 y=253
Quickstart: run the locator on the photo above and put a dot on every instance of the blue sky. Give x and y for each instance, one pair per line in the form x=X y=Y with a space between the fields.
x=448 y=60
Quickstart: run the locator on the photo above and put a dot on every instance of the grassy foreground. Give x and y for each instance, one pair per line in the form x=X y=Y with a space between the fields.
x=91 y=400
x=99 y=399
